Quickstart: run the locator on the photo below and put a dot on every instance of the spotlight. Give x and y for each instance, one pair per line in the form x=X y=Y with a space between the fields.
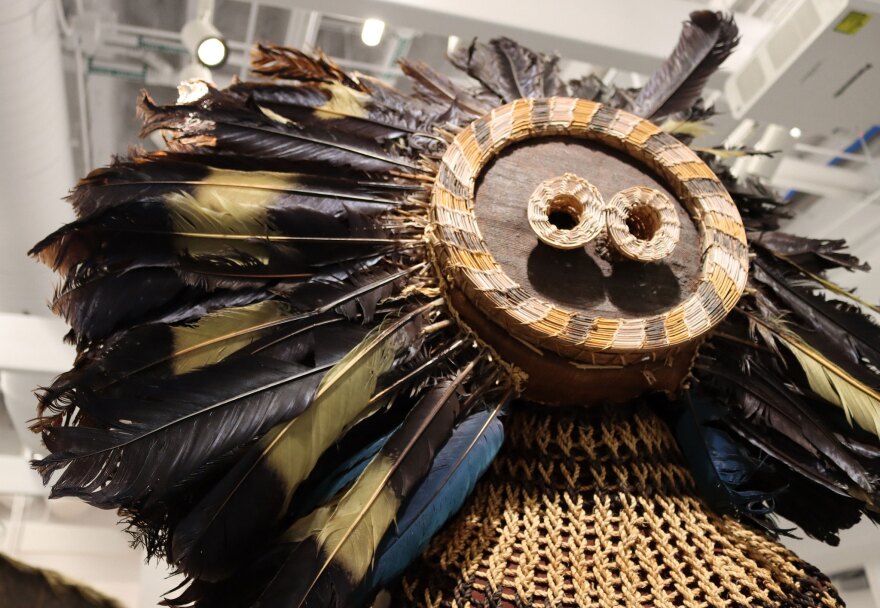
x=371 y=35
x=795 y=132
x=205 y=43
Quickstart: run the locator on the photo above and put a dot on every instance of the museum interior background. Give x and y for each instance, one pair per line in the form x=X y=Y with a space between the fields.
x=77 y=66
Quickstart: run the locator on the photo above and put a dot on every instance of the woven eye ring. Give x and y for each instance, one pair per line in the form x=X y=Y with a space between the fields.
x=576 y=201
x=642 y=224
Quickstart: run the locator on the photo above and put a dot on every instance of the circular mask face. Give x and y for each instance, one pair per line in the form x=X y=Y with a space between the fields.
x=587 y=236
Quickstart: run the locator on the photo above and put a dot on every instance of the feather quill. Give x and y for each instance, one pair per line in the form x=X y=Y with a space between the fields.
x=860 y=402
x=831 y=381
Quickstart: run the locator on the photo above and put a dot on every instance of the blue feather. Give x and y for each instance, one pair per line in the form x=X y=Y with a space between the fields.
x=439 y=495
x=344 y=474
x=721 y=467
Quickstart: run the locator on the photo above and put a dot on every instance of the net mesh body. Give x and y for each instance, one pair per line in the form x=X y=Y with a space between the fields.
x=596 y=508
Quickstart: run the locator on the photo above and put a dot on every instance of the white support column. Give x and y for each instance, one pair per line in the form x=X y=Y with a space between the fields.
x=36 y=163
x=32 y=352
x=18 y=395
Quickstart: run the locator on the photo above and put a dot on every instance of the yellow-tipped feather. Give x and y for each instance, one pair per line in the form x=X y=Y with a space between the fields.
x=860 y=402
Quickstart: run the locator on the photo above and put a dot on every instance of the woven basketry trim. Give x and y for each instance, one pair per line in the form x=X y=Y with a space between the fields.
x=599 y=511
x=464 y=256
x=579 y=198
x=656 y=206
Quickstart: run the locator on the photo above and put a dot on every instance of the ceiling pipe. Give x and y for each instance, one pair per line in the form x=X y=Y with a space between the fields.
x=36 y=164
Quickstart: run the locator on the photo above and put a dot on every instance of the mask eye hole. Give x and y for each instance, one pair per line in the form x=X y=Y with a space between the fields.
x=564 y=211
x=643 y=222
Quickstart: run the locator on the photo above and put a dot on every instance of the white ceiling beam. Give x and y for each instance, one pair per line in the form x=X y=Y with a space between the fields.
x=627 y=34
x=839 y=183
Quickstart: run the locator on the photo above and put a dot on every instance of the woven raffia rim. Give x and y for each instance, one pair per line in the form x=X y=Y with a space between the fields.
x=654 y=207
x=467 y=264
x=575 y=196
x=596 y=509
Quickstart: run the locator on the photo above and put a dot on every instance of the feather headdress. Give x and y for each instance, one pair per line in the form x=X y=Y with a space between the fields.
x=271 y=390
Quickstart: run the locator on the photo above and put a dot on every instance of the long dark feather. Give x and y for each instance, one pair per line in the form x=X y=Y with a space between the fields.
x=163 y=350
x=815 y=255
x=156 y=435
x=246 y=505
x=338 y=543
x=706 y=40
x=510 y=70
x=841 y=328
x=220 y=122
x=104 y=306
x=151 y=177
x=333 y=107
x=454 y=473
x=210 y=234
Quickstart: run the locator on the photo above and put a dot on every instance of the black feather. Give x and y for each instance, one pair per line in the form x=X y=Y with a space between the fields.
x=815 y=255
x=314 y=573
x=244 y=508
x=438 y=89
x=221 y=122
x=706 y=41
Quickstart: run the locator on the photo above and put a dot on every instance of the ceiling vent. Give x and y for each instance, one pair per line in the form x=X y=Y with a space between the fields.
x=816 y=70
